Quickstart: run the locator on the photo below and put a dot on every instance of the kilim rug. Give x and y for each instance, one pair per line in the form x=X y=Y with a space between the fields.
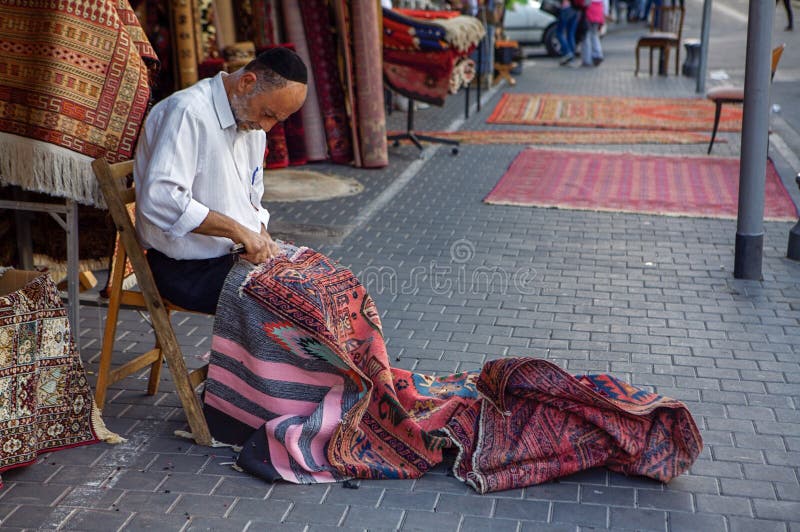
x=624 y=182
x=300 y=377
x=571 y=137
x=45 y=400
x=74 y=79
x=676 y=114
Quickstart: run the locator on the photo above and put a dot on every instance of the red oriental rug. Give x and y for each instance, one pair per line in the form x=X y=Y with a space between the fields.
x=572 y=137
x=676 y=114
x=45 y=400
x=300 y=377
x=624 y=182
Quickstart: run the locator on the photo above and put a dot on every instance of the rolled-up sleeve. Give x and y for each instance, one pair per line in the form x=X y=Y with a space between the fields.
x=164 y=186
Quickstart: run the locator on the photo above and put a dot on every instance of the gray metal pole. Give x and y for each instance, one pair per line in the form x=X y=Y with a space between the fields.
x=755 y=127
x=704 y=36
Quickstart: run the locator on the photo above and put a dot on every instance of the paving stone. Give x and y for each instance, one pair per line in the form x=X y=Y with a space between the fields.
x=769 y=472
x=203 y=505
x=580 y=514
x=34 y=517
x=523 y=510
x=471 y=505
x=363 y=496
x=554 y=491
x=780 y=510
x=100 y=520
x=628 y=518
x=311 y=513
x=747 y=488
x=373 y=518
x=267 y=511
x=689 y=522
x=189 y=483
x=33 y=494
x=607 y=495
x=723 y=505
x=426 y=521
x=738 y=524
x=482 y=524
x=669 y=500
x=156 y=522
x=408 y=500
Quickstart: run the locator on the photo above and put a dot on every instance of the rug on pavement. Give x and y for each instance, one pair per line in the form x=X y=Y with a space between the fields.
x=45 y=400
x=299 y=376
x=572 y=137
x=676 y=114
x=624 y=182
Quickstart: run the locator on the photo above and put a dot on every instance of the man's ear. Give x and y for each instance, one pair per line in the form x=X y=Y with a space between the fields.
x=247 y=81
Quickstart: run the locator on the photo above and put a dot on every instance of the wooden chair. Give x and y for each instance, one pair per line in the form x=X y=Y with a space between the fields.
x=120 y=199
x=733 y=94
x=666 y=28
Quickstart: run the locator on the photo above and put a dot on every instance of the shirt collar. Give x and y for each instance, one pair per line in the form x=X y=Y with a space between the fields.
x=221 y=103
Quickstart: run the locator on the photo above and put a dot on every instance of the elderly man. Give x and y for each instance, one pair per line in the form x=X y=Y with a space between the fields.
x=198 y=175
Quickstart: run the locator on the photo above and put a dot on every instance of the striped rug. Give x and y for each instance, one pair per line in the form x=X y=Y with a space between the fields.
x=566 y=110
x=572 y=136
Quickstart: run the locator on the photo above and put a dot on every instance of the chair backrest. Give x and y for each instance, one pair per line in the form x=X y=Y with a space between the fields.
x=120 y=198
x=668 y=19
x=777 y=52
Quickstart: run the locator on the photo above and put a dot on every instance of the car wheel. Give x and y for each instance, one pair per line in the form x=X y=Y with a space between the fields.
x=551 y=41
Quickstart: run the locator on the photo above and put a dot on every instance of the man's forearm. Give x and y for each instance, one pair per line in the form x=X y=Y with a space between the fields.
x=218 y=224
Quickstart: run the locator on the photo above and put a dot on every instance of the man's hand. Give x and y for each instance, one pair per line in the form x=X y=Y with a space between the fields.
x=259 y=247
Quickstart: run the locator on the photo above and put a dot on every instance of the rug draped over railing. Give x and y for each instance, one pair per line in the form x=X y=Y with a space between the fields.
x=300 y=377
x=45 y=400
x=74 y=87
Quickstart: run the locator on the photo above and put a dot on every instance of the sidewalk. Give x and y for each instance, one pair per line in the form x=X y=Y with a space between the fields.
x=649 y=299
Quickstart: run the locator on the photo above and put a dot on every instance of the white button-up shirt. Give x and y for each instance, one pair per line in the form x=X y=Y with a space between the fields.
x=190 y=159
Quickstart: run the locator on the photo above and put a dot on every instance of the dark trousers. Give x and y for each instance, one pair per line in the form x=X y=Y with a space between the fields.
x=191 y=284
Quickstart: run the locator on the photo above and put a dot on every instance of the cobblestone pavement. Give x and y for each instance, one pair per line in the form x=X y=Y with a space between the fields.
x=649 y=299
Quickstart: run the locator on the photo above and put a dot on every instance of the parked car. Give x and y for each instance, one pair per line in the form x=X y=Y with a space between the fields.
x=529 y=25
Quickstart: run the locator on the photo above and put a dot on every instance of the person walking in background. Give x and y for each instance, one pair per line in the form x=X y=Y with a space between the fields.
x=567 y=26
x=591 y=51
x=787 y=4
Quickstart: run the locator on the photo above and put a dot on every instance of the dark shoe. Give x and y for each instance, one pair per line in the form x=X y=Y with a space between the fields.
x=788 y=28
x=597 y=61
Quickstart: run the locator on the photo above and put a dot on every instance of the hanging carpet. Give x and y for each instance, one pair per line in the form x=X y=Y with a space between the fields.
x=75 y=87
x=300 y=377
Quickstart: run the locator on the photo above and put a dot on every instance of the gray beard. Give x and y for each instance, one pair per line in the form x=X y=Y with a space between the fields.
x=238 y=108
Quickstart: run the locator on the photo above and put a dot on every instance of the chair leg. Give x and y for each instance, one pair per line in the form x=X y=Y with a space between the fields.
x=104 y=371
x=677 y=58
x=155 y=373
x=665 y=52
x=636 y=72
x=651 y=61
x=717 y=113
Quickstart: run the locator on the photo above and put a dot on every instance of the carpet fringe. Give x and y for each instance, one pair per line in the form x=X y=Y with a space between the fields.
x=101 y=430
x=43 y=167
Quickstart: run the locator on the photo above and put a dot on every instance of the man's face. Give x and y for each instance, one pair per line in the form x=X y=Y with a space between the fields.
x=255 y=110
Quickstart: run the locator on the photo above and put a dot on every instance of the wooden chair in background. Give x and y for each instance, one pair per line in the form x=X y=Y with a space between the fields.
x=666 y=29
x=735 y=94
x=120 y=199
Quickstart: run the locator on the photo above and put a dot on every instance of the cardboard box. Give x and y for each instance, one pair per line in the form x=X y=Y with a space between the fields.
x=13 y=280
